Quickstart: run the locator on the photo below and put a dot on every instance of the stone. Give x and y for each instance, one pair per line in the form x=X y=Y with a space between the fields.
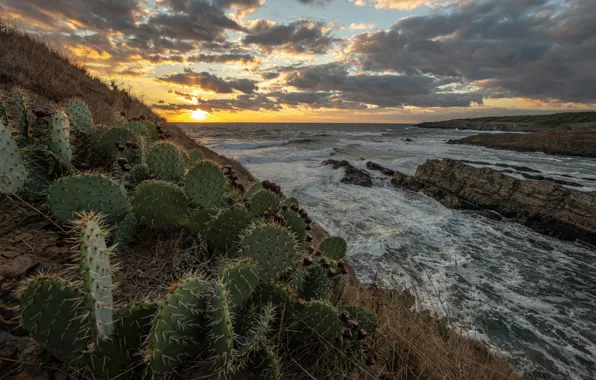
x=374 y=166
x=17 y=266
x=353 y=175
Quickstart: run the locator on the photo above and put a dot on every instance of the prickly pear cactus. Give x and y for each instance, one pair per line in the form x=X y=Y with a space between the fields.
x=176 y=329
x=52 y=312
x=295 y=224
x=69 y=196
x=160 y=204
x=271 y=247
x=39 y=168
x=165 y=162
x=17 y=111
x=96 y=270
x=195 y=157
x=136 y=176
x=241 y=279
x=3 y=114
x=316 y=283
x=318 y=319
x=13 y=172
x=291 y=202
x=281 y=296
x=264 y=200
x=265 y=365
x=337 y=289
x=224 y=232
x=205 y=184
x=334 y=248
x=200 y=220
x=258 y=332
x=126 y=230
x=364 y=318
x=221 y=328
x=254 y=189
x=144 y=128
x=109 y=138
x=80 y=117
x=59 y=138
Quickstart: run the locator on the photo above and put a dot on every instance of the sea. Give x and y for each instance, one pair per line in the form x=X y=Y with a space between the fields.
x=531 y=298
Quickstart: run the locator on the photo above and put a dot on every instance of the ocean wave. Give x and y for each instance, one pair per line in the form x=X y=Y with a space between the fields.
x=253 y=145
x=289 y=155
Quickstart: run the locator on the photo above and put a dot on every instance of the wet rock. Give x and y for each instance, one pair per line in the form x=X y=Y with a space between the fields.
x=353 y=176
x=374 y=166
x=408 y=140
x=545 y=206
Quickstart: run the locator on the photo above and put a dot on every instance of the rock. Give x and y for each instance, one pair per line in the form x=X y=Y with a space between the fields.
x=408 y=140
x=33 y=372
x=17 y=266
x=374 y=166
x=353 y=176
x=490 y=215
x=505 y=126
x=545 y=206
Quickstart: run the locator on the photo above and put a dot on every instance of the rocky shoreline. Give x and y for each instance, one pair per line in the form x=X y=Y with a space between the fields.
x=504 y=126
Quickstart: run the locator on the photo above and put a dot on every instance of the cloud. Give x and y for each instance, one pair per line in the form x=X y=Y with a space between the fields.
x=517 y=48
x=361 y=26
x=223 y=58
x=298 y=37
x=210 y=82
x=398 y=4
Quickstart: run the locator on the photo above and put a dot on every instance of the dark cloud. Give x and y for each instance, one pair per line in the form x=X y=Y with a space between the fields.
x=528 y=48
x=298 y=37
x=210 y=82
x=223 y=58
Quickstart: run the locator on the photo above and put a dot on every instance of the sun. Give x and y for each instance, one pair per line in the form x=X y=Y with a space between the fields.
x=199 y=115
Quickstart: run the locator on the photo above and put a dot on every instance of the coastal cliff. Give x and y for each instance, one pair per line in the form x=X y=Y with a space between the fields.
x=544 y=206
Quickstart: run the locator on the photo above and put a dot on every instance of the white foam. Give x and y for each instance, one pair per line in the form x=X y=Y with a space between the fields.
x=237 y=144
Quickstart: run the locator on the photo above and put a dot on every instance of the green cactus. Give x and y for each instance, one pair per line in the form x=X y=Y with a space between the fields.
x=176 y=328
x=80 y=117
x=221 y=327
x=52 y=312
x=365 y=319
x=17 y=111
x=160 y=204
x=195 y=157
x=136 y=176
x=144 y=128
x=13 y=172
x=271 y=247
x=165 y=162
x=337 y=291
x=39 y=168
x=281 y=296
x=291 y=202
x=96 y=270
x=295 y=224
x=59 y=137
x=109 y=137
x=264 y=200
x=225 y=230
x=3 y=114
x=200 y=220
x=334 y=248
x=318 y=319
x=241 y=279
x=69 y=196
x=316 y=283
x=265 y=365
x=259 y=331
x=126 y=231
x=254 y=189
x=206 y=184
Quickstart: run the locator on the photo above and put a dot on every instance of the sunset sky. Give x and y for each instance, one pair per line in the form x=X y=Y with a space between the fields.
x=331 y=60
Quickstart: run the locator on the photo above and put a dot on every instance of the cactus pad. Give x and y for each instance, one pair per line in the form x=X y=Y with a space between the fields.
x=87 y=192
x=259 y=330
x=319 y=319
x=13 y=172
x=80 y=117
x=136 y=176
x=160 y=204
x=241 y=280
x=254 y=189
x=165 y=162
x=316 y=283
x=265 y=364
x=225 y=230
x=334 y=248
x=221 y=328
x=271 y=247
x=264 y=200
x=205 y=184
x=295 y=224
x=59 y=139
x=97 y=275
x=195 y=157
x=17 y=110
x=365 y=319
x=126 y=231
x=177 y=325
x=52 y=313
x=39 y=167
x=292 y=202
x=110 y=136
x=337 y=290
x=200 y=220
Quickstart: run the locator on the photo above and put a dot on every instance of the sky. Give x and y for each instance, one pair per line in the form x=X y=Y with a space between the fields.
x=393 y=61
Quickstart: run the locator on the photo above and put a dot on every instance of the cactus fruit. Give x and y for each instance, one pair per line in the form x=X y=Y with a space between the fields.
x=258 y=333
x=365 y=319
x=52 y=313
x=254 y=189
x=334 y=248
x=320 y=320
x=221 y=328
x=205 y=184
x=165 y=162
x=271 y=247
x=265 y=364
x=97 y=275
x=87 y=192
x=177 y=326
x=80 y=117
x=59 y=139
x=316 y=283
x=195 y=157
x=264 y=200
x=295 y=224
x=126 y=231
x=109 y=138
x=225 y=229
x=17 y=111
x=13 y=172
x=160 y=204
x=241 y=279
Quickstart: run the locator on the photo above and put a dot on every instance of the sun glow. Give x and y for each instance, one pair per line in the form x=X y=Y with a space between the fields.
x=199 y=115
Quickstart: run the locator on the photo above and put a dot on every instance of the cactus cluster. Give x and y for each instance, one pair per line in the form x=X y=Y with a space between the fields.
x=80 y=117
x=165 y=162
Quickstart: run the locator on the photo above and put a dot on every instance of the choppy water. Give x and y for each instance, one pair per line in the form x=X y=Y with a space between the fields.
x=530 y=297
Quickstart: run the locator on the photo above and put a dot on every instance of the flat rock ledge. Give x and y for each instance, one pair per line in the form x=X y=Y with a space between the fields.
x=544 y=206
x=353 y=175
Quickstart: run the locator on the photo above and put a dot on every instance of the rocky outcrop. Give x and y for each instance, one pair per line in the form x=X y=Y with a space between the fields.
x=374 y=166
x=504 y=126
x=353 y=176
x=560 y=143
x=545 y=206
